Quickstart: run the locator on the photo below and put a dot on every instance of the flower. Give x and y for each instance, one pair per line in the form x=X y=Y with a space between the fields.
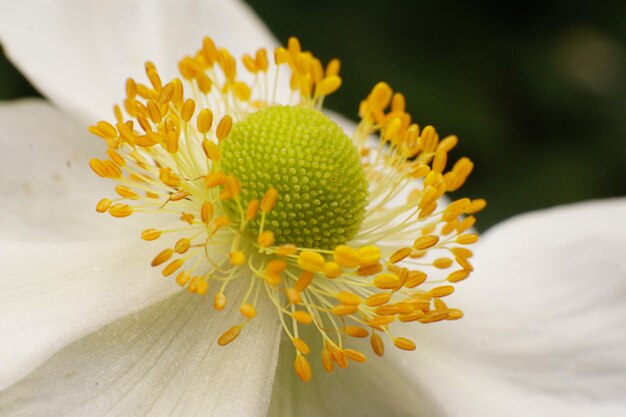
x=503 y=358
x=279 y=197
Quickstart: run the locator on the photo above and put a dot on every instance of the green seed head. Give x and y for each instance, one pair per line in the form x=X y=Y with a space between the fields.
x=322 y=190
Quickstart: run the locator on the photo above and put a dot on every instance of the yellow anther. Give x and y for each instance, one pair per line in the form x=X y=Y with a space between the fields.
x=105 y=168
x=441 y=291
x=454 y=314
x=415 y=315
x=331 y=270
x=223 y=128
x=448 y=143
x=377 y=299
x=302 y=317
x=398 y=103
x=399 y=255
x=327 y=360
x=286 y=249
x=205 y=120
x=404 y=343
x=387 y=281
x=183 y=278
x=293 y=296
x=179 y=195
x=215 y=179
x=310 y=261
x=415 y=278
x=211 y=150
x=379 y=321
x=151 y=234
x=204 y=83
x=154 y=111
x=346 y=256
x=293 y=45
x=457 y=276
x=475 y=206
x=169 y=178
x=442 y=263
x=172 y=267
x=236 y=258
x=198 y=285
x=333 y=67
x=343 y=310
x=269 y=200
x=131 y=88
x=249 y=63
x=387 y=310
x=280 y=56
x=116 y=157
x=328 y=85
x=187 y=217
x=368 y=270
x=162 y=257
x=301 y=346
x=466 y=224
x=266 y=238
x=369 y=255
x=206 y=212
x=247 y=310
x=228 y=336
x=439 y=163
x=303 y=368
x=120 y=210
x=464 y=263
x=355 y=355
x=182 y=245
x=126 y=133
x=348 y=298
x=377 y=344
x=242 y=92
x=188 y=109
x=303 y=281
x=425 y=242
x=467 y=239
x=393 y=128
x=166 y=94
x=219 y=301
x=380 y=96
x=103 y=205
x=261 y=59
x=356 y=331
x=253 y=208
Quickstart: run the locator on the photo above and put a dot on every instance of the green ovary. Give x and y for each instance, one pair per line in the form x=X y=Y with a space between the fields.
x=322 y=190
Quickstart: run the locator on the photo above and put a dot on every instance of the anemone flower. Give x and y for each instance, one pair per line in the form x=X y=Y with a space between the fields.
x=89 y=328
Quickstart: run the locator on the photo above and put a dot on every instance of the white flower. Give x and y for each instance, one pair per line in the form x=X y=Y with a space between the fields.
x=88 y=329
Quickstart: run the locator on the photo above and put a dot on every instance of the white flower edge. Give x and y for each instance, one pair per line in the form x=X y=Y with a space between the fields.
x=93 y=46
x=542 y=335
x=163 y=361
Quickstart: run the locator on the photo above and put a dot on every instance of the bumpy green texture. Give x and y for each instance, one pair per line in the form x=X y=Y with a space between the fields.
x=322 y=190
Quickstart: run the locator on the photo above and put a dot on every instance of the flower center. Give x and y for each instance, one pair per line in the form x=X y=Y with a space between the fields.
x=336 y=235
x=312 y=164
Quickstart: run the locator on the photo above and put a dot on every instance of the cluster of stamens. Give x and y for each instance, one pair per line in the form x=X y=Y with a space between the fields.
x=171 y=156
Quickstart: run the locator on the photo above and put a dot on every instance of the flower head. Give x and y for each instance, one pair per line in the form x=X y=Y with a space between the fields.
x=276 y=194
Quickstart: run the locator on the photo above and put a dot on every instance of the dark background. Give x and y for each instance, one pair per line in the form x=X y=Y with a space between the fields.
x=536 y=93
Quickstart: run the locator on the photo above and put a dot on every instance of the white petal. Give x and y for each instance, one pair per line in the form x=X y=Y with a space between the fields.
x=49 y=192
x=53 y=294
x=163 y=361
x=543 y=333
x=78 y=54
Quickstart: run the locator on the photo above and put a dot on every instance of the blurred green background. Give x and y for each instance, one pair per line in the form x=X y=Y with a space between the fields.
x=535 y=91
